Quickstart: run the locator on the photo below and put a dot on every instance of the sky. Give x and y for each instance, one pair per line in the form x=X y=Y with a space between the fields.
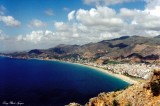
x=42 y=24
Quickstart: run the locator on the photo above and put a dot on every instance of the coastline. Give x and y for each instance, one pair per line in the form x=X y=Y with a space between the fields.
x=119 y=76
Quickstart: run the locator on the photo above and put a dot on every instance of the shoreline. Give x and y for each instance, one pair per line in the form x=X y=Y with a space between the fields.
x=119 y=76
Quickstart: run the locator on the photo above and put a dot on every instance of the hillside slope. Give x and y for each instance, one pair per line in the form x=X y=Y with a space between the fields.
x=142 y=94
x=135 y=49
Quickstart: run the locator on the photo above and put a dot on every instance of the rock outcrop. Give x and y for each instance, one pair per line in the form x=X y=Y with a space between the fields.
x=142 y=94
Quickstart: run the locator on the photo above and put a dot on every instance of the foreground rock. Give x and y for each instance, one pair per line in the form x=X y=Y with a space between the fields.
x=142 y=94
x=74 y=104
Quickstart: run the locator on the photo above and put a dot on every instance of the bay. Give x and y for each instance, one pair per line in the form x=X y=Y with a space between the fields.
x=52 y=83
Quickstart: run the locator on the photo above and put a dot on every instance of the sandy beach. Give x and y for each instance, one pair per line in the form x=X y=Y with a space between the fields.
x=122 y=77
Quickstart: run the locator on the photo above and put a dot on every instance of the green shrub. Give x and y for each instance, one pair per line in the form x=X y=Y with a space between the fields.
x=155 y=88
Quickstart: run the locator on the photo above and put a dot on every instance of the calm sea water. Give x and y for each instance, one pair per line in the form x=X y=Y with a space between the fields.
x=47 y=83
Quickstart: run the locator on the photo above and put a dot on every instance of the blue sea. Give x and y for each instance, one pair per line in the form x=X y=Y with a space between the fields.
x=51 y=83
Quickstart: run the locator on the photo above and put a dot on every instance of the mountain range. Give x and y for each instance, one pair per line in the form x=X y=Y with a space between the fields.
x=135 y=48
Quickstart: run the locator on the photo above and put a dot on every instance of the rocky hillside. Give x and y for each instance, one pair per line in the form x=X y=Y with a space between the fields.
x=115 y=47
x=135 y=48
x=142 y=94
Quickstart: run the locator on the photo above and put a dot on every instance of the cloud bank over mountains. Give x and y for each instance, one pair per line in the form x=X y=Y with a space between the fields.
x=106 y=2
x=84 y=26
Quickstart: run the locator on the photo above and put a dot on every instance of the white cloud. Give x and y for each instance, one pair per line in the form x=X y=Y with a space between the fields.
x=61 y=26
x=10 y=21
x=92 y=25
x=124 y=12
x=100 y=18
x=71 y=15
x=153 y=7
x=154 y=11
x=144 y=21
x=152 y=4
x=37 y=23
x=36 y=36
x=42 y=39
x=49 y=12
x=106 y=2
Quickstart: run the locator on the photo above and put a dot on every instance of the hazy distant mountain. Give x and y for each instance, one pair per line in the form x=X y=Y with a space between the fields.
x=118 y=48
x=115 y=47
x=157 y=36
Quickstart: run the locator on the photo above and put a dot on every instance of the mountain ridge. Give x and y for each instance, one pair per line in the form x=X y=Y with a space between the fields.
x=116 y=48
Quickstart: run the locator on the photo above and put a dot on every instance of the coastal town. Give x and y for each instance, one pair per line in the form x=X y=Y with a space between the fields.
x=135 y=70
x=131 y=70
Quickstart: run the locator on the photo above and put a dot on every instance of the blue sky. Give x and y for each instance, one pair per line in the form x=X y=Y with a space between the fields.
x=47 y=23
x=26 y=10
